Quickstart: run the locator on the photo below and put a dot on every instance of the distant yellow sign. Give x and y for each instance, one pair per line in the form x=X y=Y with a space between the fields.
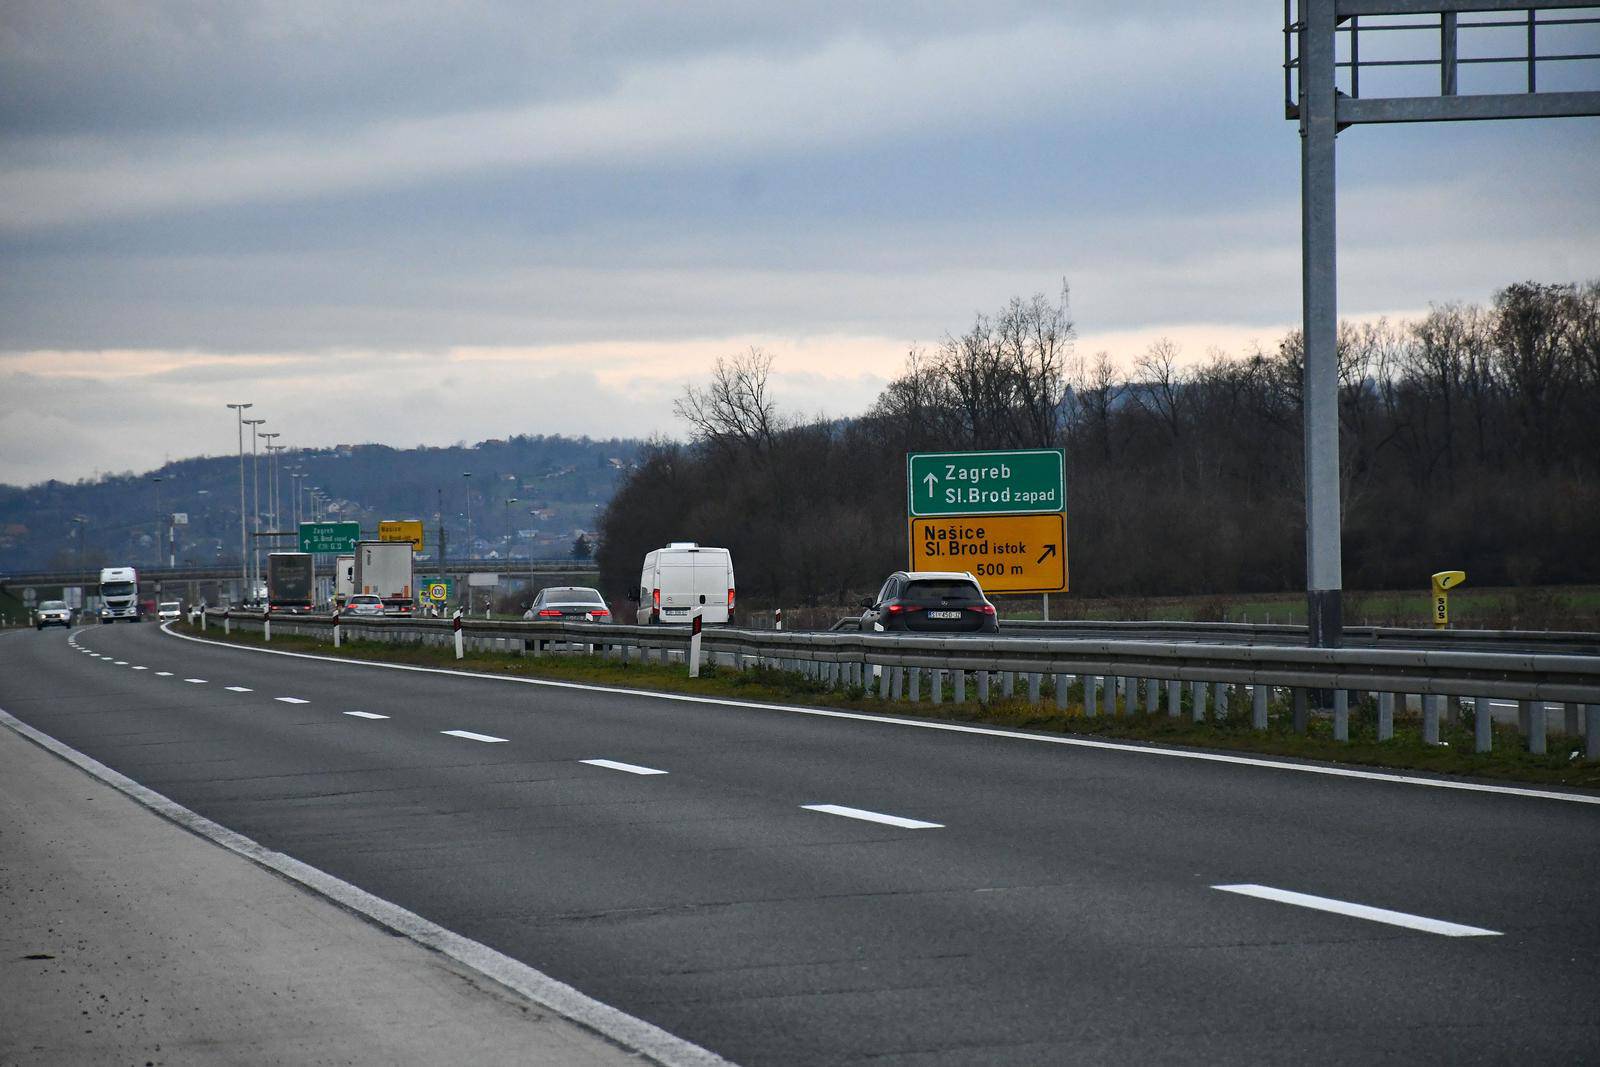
x=398 y=530
x=1006 y=553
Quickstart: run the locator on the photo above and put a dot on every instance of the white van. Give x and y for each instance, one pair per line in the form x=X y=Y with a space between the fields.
x=682 y=578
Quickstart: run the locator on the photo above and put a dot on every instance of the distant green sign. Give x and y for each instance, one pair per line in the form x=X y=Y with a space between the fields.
x=986 y=483
x=332 y=537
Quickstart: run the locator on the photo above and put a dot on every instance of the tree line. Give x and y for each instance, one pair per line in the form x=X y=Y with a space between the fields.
x=1470 y=439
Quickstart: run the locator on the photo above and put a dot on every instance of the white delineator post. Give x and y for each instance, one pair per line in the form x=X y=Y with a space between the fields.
x=455 y=624
x=336 y=634
x=266 y=624
x=777 y=616
x=694 y=646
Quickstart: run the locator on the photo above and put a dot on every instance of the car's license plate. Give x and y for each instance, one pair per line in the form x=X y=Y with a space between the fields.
x=944 y=614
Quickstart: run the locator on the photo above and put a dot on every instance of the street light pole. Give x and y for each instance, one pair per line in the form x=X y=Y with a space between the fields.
x=156 y=480
x=272 y=475
x=468 y=476
x=255 y=488
x=244 y=557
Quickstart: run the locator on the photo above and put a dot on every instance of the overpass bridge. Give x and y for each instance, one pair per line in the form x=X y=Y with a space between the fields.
x=220 y=582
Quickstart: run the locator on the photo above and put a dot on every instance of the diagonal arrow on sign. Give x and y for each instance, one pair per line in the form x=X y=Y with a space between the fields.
x=1049 y=550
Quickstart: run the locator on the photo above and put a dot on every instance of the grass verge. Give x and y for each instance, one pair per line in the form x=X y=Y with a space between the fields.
x=1562 y=765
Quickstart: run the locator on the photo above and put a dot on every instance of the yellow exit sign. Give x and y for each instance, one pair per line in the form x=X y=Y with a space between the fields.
x=1006 y=553
x=402 y=530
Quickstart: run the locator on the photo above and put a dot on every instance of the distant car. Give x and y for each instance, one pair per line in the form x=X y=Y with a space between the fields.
x=572 y=603
x=931 y=602
x=53 y=613
x=169 y=611
x=364 y=604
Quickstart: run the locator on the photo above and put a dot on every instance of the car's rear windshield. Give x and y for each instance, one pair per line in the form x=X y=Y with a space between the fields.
x=366 y=598
x=942 y=589
x=573 y=596
x=52 y=605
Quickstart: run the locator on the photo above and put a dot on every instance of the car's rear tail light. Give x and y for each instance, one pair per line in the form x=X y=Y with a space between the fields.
x=655 y=599
x=549 y=613
x=730 y=599
x=599 y=611
x=982 y=609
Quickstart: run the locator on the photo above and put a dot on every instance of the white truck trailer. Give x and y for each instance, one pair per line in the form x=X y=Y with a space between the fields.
x=119 y=594
x=344 y=580
x=384 y=568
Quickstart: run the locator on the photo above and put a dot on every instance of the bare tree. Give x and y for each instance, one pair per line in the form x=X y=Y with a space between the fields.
x=734 y=412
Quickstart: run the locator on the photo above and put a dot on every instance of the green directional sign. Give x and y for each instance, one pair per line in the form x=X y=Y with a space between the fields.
x=986 y=483
x=333 y=537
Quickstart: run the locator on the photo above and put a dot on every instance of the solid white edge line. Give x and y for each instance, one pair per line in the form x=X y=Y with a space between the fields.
x=487 y=739
x=634 y=1034
x=366 y=715
x=873 y=816
x=1359 y=911
x=614 y=765
x=945 y=727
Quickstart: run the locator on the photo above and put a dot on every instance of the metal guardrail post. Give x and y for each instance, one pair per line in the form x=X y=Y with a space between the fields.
x=1591 y=730
x=983 y=687
x=1091 y=695
x=1063 y=692
x=1035 y=681
x=1302 y=714
x=1536 y=717
x=1174 y=698
x=1385 y=716
x=1341 y=715
x=1482 y=725
x=1573 y=728
x=1258 y=706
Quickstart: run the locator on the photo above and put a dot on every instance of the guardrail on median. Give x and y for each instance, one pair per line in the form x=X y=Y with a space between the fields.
x=1108 y=676
x=1576 y=642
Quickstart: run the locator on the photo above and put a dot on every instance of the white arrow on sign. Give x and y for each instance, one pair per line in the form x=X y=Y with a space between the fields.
x=931 y=480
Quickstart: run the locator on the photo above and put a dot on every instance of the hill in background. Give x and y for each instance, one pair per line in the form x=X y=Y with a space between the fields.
x=559 y=485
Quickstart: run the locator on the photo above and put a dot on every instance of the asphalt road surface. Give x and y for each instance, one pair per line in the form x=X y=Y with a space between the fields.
x=781 y=887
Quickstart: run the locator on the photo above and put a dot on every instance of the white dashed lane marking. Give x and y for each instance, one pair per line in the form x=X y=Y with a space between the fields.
x=238 y=689
x=196 y=681
x=141 y=668
x=873 y=816
x=613 y=765
x=163 y=674
x=292 y=700
x=470 y=736
x=1358 y=911
x=366 y=715
x=121 y=662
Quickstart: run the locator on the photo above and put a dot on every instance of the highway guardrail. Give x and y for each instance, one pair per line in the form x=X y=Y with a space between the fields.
x=1113 y=676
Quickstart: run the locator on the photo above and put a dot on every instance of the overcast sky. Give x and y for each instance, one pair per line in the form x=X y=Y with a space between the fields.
x=424 y=223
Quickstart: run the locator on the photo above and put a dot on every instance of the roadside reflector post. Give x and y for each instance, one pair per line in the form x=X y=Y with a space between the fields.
x=694 y=645
x=266 y=625
x=336 y=635
x=777 y=618
x=455 y=625
x=227 y=621
x=1443 y=582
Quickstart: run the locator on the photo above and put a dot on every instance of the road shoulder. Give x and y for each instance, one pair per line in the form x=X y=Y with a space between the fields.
x=130 y=939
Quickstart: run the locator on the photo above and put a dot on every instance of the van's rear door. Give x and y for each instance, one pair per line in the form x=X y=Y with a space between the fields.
x=679 y=594
x=713 y=578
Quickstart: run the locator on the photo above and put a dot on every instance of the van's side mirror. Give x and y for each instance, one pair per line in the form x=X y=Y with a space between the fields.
x=633 y=595
x=867 y=603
